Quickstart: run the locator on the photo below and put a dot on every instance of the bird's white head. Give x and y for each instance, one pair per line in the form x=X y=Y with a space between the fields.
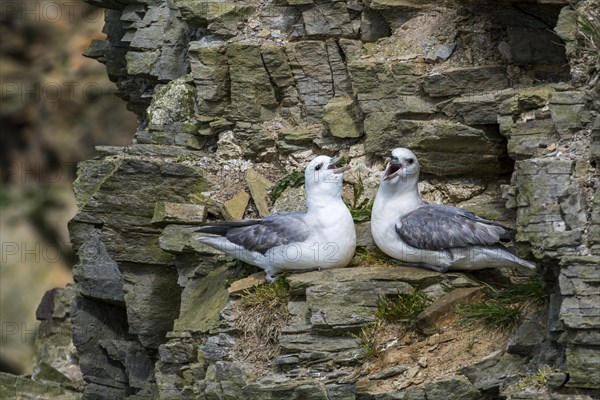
x=402 y=170
x=324 y=177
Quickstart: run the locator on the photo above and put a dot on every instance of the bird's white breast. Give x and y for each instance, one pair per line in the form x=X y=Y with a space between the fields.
x=334 y=234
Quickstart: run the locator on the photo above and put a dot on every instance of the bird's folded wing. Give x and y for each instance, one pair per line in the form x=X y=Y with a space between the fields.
x=275 y=230
x=437 y=227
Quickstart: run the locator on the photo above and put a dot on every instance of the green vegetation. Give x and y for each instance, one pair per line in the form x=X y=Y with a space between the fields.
x=532 y=292
x=505 y=306
x=360 y=210
x=182 y=158
x=493 y=313
x=588 y=28
x=390 y=311
x=401 y=308
x=366 y=340
x=295 y=179
x=536 y=380
x=369 y=257
x=269 y=296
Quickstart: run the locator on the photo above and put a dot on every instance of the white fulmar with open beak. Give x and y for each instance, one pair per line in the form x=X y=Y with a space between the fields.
x=433 y=236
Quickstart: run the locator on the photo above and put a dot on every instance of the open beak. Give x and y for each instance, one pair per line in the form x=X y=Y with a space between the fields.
x=337 y=170
x=392 y=170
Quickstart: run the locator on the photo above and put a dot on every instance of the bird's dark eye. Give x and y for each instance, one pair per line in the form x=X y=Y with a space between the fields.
x=318 y=167
x=410 y=161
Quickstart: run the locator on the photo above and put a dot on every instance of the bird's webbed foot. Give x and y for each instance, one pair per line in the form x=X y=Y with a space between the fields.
x=270 y=278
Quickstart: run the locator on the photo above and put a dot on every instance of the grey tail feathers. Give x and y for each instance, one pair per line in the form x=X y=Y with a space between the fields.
x=221 y=228
x=525 y=263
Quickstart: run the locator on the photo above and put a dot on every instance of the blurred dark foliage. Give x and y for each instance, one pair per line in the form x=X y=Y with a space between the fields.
x=55 y=107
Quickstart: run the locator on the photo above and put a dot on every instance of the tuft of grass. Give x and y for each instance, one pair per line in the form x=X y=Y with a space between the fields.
x=505 y=306
x=401 y=308
x=295 y=179
x=493 y=312
x=531 y=291
x=537 y=380
x=360 y=210
x=366 y=340
x=271 y=296
x=588 y=28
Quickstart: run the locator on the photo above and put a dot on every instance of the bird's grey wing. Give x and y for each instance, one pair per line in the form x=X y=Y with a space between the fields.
x=274 y=230
x=437 y=227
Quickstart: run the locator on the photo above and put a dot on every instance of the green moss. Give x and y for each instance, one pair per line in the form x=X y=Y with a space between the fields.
x=201 y=186
x=182 y=158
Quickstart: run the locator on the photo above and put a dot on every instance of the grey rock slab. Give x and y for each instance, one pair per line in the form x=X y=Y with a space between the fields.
x=451 y=389
x=412 y=276
x=389 y=372
x=342 y=306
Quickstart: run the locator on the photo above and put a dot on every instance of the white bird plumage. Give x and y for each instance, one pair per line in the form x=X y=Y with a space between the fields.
x=432 y=236
x=322 y=237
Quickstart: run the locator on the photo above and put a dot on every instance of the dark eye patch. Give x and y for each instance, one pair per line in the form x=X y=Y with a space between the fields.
x=318 y=167
x=410 y=161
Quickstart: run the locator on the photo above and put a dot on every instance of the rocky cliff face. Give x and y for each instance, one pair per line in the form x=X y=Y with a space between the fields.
x=232 y=96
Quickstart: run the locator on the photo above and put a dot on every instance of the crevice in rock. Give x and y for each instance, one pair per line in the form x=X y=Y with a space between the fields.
x=279 y=93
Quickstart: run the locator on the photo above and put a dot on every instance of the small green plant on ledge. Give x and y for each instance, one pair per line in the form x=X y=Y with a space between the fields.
x=505 y=306
x=268 y=296
x=588 y=29
x=401 y=308
x=366 y=340
x=493 y=313
x=360 y=210
x=529 y=292
x=182 y=158
x=537 y=380
x=294 y=180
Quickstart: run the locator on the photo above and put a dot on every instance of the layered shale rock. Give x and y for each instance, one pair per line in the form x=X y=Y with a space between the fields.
x=235 y=96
